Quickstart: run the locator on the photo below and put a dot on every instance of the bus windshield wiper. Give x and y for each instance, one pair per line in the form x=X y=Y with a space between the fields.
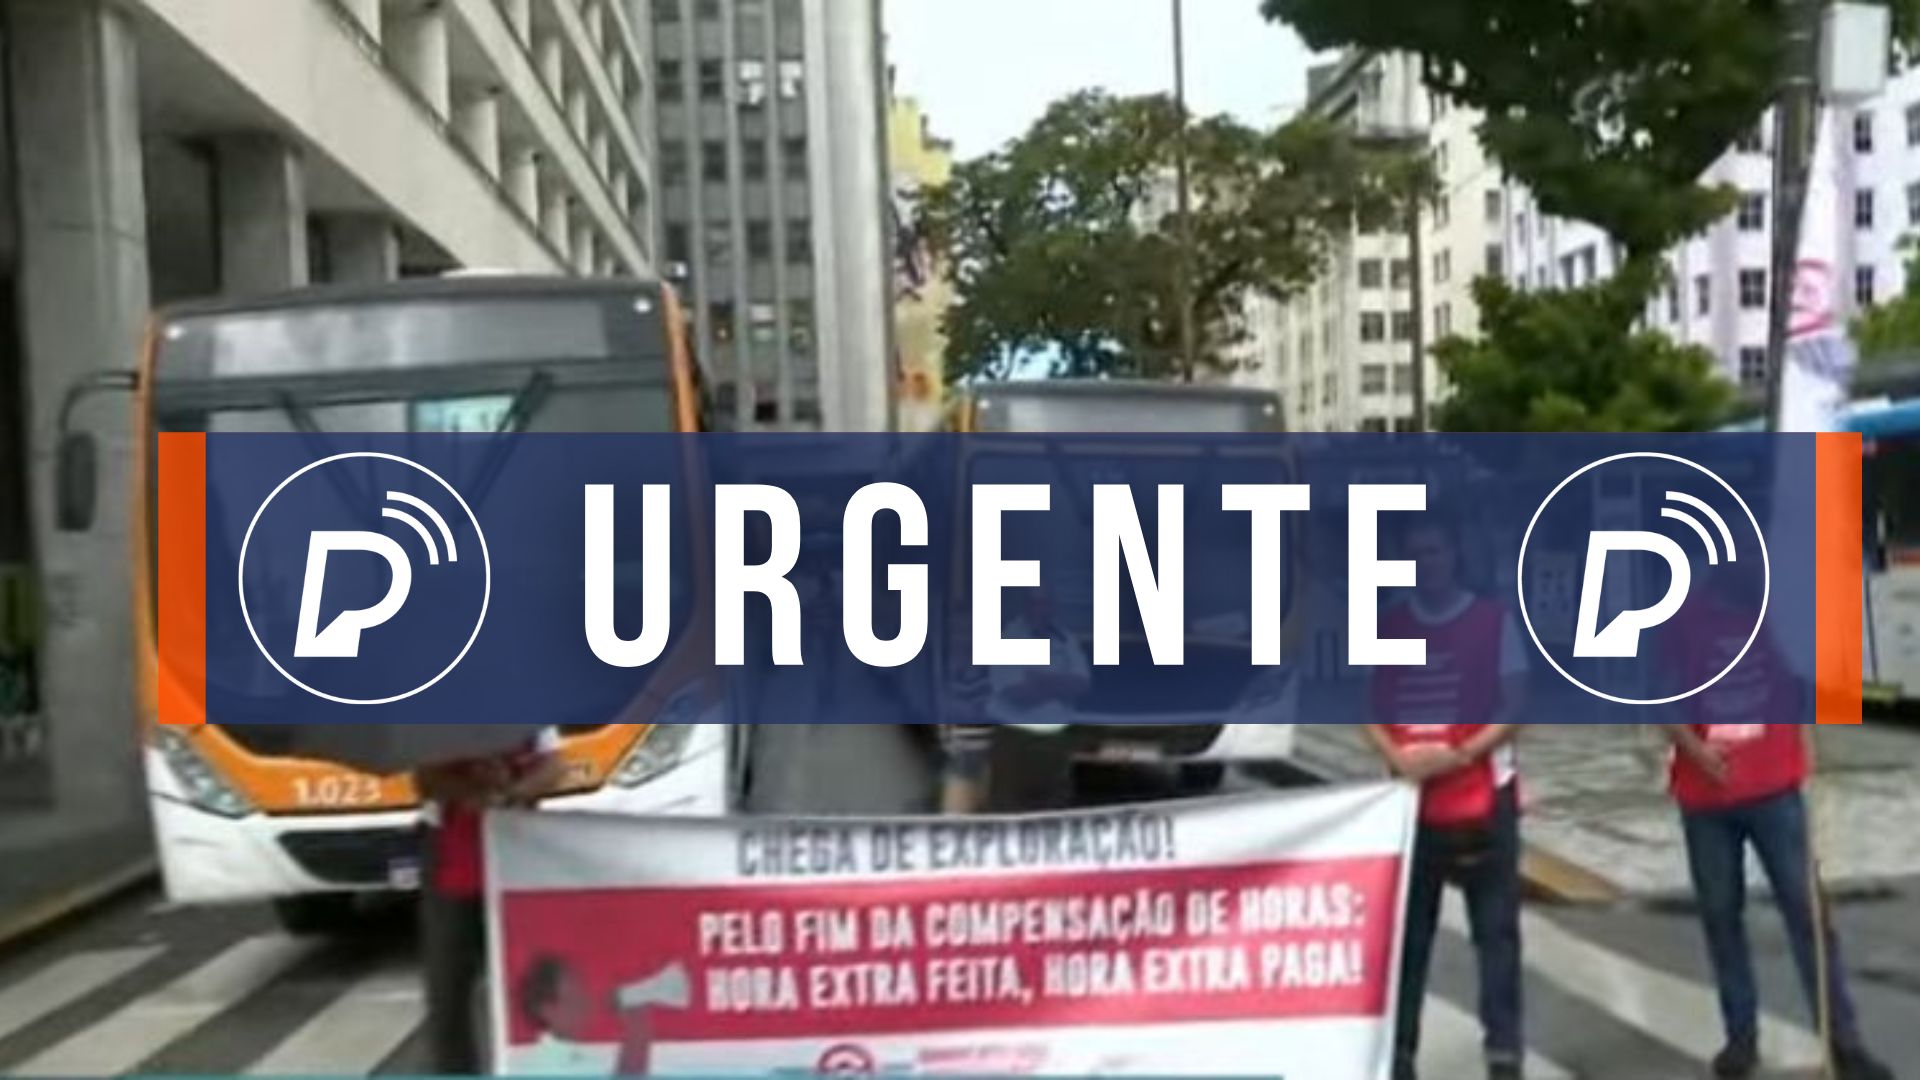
x=526 y=402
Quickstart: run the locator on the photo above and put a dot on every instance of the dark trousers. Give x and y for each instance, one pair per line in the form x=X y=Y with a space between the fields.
x=453 y=946
x=1486 y=867
x=1717 y=857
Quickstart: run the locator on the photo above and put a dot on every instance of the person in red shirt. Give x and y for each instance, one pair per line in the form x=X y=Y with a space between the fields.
x=1447 y=726
x=453 y=927
x=1739 y=769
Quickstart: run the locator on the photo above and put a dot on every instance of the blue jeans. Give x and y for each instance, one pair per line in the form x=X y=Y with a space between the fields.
x=1487 y=869
x=1717 y=856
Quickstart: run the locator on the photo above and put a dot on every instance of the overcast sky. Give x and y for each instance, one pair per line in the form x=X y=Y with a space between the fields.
x=984 y=69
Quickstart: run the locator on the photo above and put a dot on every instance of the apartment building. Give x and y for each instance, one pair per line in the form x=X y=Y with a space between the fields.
x=158 y=150
x=775 y=203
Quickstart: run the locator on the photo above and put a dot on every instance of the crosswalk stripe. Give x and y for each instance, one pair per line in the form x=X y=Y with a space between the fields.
x=352 y=1035
x=1680 y=1013
x=64 y=982
x=144 y=1027
x=1450 y=1045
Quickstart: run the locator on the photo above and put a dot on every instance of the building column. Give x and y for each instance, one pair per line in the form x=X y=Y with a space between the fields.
x=521 y=177
x=520 y=17
x=416 y=45
x=623 y=194
x=263 y=215
x=554 y=220
x=362 y=249
x=552 y=65
x=583 y=247
x=476 y=121
x=596 y=20
x=367 y=14
x=83 y=295
x=601 y=151
x=577 y=114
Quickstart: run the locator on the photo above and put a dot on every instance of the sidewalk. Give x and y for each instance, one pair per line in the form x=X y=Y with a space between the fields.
x=1596 y=797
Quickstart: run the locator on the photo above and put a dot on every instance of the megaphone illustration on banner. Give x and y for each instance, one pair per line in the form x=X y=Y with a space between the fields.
x=666 y=988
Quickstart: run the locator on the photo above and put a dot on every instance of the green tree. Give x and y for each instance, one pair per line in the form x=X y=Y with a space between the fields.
x=1609 y=111
x=1063 y=243
x=1891 y=330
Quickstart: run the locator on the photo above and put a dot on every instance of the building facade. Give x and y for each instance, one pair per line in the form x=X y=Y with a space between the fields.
x=160 y=150
x=920 y=163
x=775 y=203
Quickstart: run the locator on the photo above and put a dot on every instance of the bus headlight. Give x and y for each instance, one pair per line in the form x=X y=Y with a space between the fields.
x=202 y=783
x=663 y=747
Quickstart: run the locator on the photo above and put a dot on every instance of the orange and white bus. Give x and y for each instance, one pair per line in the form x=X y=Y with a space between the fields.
x=237 y=816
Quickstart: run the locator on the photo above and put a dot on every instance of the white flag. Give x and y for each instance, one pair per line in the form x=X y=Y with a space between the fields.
x=1820 y=356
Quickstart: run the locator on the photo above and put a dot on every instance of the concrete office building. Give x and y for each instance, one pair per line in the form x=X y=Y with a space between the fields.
x=1345 y=353
x=775 y=204
x=166 y=149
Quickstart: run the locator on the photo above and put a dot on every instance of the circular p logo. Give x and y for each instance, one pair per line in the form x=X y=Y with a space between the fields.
x=364 y=578
x=1620 y=549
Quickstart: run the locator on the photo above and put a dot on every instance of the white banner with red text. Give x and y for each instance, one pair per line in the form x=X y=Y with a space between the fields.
x=1255 y=935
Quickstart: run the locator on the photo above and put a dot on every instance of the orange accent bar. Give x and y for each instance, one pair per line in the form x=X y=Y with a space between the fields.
x=1838 y=666
x=183 y=578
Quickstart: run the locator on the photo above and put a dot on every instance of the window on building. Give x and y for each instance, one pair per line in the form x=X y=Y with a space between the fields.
x=800 y=241
x=1753 y=365
x=1913 y=204
x=760 y=239
x=677 y=243
x=792 y=79
x=713 y=80
x=1863 y=209
x=1540 y=277
x=1403 y=326
x=1371 y=274
x=1443 y=320
x=800 y=326
x=706 y=9
x=1753 y=213
x=1703 y=295
x=1913 y=125
x=1494 y=203
x=1673 y=302
x=1403 y=424
x=1569 y=272
x=1402 y=274
x=719 y=241
x=673 y=161
x=1442 y=211
x=1496 y=261
x=753 y=159
x=720 y=317
x=1589 y=265
x=753 y=83
x=667 y=77
x=1403 y=378
x=793 y=157
x=666 y=11
x=1373 y=326
x=1753 y=289
x=1520 y=224
x=1373 y=378
x=1753 y=142
x=1374 y=424
x=1863 y=133
x=1442 y=267
x=763 y=318
x=713 y=161
x=1863 y=286
x=1329 y=387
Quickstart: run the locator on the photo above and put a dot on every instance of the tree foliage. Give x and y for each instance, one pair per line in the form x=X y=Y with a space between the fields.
x=1064 y=243
x=1609 y=111
x=1891 y=330
x=1559 y=362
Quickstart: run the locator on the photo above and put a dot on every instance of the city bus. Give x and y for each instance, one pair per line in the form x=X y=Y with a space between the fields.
x=237 y=815
x=1124 y=732
x=1890 y=503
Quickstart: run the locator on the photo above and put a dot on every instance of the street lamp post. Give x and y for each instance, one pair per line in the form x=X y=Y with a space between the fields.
x=1794 y=118
x=1183 y=196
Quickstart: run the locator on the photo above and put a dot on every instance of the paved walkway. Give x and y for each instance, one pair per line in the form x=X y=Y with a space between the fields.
x=1596 y=797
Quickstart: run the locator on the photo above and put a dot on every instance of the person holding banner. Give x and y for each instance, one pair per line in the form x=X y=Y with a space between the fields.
x=453 y=927
x=1743 y=784
x=1448 y=726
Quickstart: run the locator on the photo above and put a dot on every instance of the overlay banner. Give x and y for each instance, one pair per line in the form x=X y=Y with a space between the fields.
x=1051 y=580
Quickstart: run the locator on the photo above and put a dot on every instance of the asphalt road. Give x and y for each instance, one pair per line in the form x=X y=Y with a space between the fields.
x=1613 y=994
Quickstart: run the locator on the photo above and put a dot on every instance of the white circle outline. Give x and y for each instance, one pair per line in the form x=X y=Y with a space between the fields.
x=1766 y=566
x=486 y=592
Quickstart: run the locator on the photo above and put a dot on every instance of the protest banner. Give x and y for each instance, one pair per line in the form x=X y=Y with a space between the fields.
x=1252 y=935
